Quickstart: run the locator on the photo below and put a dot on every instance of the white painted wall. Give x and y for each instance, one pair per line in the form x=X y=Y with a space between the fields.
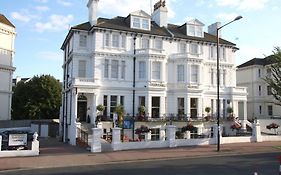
x=7 y=50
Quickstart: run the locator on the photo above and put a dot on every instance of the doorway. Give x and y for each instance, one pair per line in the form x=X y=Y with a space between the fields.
x=82 y=108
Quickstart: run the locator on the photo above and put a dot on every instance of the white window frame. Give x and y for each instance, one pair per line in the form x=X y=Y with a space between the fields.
x=83 y=40
x=106 y=40
x=136 y=22
x=194 y=48
x=114 y=69
x=82 y=66
x=158 y=44
x=156 y=70
x=181 y=47
x=123 y=69
x=145 y=24
x=145 y=43
x=106 y=68
x=180 y=73
x=142 y=69
x=194 y=73
x=115 y=42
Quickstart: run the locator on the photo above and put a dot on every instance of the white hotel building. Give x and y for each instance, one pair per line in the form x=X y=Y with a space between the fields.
x=7 y=52
x=141 y=59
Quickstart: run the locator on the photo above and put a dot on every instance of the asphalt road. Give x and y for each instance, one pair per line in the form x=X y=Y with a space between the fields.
x=263 y=164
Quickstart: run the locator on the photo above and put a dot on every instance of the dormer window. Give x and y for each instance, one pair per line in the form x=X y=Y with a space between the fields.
x=145 y=24
x=194 y=28
x=140 y=20
x=136 y=22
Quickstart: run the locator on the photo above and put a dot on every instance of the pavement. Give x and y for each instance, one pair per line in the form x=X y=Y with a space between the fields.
x=57 y=154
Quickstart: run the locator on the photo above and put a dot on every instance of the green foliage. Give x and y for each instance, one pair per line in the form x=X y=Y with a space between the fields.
x=207 y=109
x=100 y=108
x=39 y=98
x=141 y=110
x=274 y=80
x=229 y=110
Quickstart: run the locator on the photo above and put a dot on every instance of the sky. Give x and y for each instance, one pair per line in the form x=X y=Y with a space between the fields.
x=42 y=26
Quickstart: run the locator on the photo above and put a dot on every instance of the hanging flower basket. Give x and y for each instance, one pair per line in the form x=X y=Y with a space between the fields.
x=272 y=126
x=188 y=127
x=142 y=129
x=236 y=126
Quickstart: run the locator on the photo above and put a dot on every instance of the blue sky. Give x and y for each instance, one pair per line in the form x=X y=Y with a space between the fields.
x=42 y=25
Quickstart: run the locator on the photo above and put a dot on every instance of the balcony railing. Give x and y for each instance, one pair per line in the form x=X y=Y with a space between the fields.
x=83 y=81
x=149 y=51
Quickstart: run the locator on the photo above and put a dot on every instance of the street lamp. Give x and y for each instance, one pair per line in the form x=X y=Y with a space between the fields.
x=218 y=82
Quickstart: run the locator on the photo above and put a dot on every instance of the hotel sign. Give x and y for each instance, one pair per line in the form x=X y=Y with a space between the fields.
x=17 y=139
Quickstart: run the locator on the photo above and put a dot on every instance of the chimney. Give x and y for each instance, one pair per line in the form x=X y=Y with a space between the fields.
x=92 y=7
x=212 y=29
x=160 y=14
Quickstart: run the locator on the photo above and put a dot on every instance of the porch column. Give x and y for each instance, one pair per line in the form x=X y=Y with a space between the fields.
x=171 y=135
x=0 y=142
x=149 y=106
x=200 y=107
x=94 y=109
x=73 y=127
x=188 y=108
x=245 y=110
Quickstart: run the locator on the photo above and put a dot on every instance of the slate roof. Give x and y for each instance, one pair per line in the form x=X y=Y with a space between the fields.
x=258 y=61
x=123 y=24
x=4 y=20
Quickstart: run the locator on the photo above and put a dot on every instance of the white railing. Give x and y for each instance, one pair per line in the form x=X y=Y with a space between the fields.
x=149 y=51
x=83 y=81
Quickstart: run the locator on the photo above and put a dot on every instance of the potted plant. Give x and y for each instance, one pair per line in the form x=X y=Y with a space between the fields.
x=119 y=109
x=229 y=110
x=188 y=127
x=141 y=130
x=208 y=110
x=236 y=126
x=100 y=109
x=272 y=126
x=141 y=115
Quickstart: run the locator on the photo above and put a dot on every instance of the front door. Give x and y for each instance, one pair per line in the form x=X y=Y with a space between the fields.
x=82 y=111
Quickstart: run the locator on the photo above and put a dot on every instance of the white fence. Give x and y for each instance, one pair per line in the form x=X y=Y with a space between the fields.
x=171 y=140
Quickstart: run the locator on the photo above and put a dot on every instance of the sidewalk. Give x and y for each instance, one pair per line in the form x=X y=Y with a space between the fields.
x=57 y=154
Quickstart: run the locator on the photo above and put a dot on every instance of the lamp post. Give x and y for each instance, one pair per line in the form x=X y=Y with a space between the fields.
x=218 y=82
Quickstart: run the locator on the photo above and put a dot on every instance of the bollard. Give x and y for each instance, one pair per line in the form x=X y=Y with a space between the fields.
x=255 y=173
x=280 y=165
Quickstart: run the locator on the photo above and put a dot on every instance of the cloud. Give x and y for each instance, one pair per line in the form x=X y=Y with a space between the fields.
x=49 y=55
x=244 y=5
x=116 y=7
x=20 y=17
x=226 y=16
x=41 y=1
x=247 y=52
x=55 y=23
x=42 y=8
x=64 y=2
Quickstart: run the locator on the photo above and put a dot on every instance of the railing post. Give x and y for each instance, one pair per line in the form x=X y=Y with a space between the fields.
x=171 y=135
x=96 y=141
x=116 y=134
x=257 y=131
x=0 y=142
x=35 y=143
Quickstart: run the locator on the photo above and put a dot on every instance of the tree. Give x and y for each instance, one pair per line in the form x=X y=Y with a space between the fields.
x=274 y=80
x=39 y=98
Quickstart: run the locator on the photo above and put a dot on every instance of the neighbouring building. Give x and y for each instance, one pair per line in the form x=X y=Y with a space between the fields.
x=261 y=103
x=7 y=52
x=16 y=80
x=142 y=60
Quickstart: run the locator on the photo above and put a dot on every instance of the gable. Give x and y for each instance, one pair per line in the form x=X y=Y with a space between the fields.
x=140 y=13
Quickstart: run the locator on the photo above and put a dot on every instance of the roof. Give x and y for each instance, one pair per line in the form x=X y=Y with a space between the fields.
x=4 y=20
x=258 y=61
x=123 y=24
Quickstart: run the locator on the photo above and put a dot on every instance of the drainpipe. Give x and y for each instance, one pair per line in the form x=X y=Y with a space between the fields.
x=134 y=84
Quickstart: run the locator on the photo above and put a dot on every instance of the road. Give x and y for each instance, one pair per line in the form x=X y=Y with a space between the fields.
x=263 y=164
